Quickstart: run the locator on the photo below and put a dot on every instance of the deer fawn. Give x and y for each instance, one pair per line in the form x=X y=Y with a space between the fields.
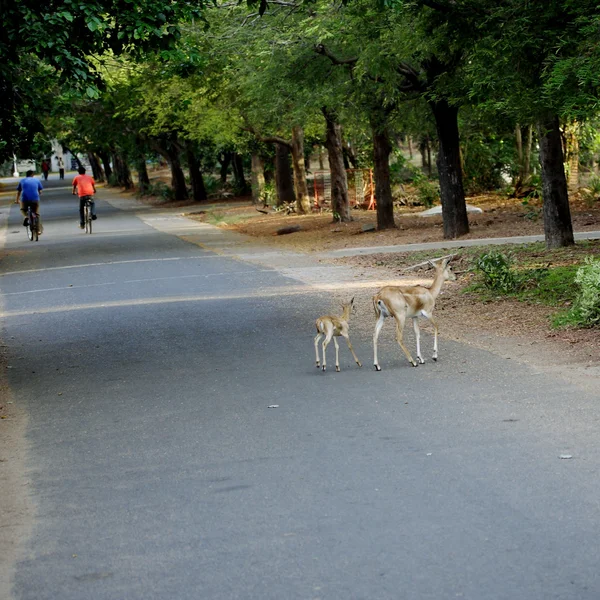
x=332 y=327
x=411 y=302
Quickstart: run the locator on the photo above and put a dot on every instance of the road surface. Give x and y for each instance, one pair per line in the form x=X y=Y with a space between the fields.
x=156 y=468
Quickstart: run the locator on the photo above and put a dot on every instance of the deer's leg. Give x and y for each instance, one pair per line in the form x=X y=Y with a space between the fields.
x=317 y=338
x=378 y=327
x=418 y=338
x=326 y=341
x=347 y=338
x=337 y=355
x=435 y=338
x=399 y=332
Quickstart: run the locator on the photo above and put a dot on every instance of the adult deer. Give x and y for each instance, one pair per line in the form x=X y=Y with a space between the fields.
x=402 y=302
x=332 y=327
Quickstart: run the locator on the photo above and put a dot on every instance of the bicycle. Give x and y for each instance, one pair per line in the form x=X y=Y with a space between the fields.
x=87 y=214
x=33 y=227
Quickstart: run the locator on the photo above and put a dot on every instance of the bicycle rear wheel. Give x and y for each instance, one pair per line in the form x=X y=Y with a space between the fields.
x=30 y=229
x=88 y=219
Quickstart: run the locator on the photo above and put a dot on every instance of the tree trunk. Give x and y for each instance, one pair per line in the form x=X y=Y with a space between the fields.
x=454 y=208
x=558 y=228
x=106 y=162
x=177 y=177
x=97 y=170
x=121 y=171
x=382 y=149
x=340 y=203
x=572 y=139
x=258 y=178
x=519 y=144
x=302 y=197
x=196 y=180
x=527 y=157
x=142 y=171
x=241 y=185
x=283 y=175
x=225 y=160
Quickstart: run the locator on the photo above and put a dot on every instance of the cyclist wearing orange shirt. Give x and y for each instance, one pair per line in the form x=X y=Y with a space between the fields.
x=86 y=188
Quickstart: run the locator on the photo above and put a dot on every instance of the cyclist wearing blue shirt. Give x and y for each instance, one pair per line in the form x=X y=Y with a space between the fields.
x=28 y=192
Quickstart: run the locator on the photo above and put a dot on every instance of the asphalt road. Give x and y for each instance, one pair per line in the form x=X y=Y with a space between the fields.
x=147 y=366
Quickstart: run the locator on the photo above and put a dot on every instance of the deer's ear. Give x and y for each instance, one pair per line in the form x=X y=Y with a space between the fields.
x=352 y=301
x=431 y=263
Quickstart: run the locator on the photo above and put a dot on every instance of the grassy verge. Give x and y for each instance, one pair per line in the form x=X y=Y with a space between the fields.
x=528 y=273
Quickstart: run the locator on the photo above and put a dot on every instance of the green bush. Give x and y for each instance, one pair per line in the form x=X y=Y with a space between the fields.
x=586 y=308
x=428 y=192
x=159 y=189
x=497 y=274
x=268 y=195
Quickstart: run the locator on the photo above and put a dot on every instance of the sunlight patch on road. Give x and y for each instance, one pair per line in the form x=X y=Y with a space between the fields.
x=274 y=292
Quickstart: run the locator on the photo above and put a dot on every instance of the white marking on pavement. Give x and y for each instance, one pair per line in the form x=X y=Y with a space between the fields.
x=111 y=262
x=78 y=287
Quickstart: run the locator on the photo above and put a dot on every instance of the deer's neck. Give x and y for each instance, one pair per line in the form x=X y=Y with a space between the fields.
x=436 y=286
x=346 y=314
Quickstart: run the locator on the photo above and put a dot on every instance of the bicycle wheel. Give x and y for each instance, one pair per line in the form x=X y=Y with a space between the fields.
x=88 y=219
x=30 y=229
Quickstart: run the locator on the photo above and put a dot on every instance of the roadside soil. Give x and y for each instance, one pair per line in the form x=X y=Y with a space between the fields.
x=501 y=217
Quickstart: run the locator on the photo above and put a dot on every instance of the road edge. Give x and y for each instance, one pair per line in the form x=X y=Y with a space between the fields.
x=17 y=514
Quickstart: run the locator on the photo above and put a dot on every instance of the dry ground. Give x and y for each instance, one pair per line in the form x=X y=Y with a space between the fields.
x=502 y=217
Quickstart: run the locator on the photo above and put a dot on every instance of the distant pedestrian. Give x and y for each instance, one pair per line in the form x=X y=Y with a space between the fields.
x=61 y=168
x=45 y=169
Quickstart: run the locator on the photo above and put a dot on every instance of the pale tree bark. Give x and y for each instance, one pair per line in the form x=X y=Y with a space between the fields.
x=527 y=157
x=340 y=203
x=258 y=178
x=297 y=146
x=572 y=144
x=558 y=227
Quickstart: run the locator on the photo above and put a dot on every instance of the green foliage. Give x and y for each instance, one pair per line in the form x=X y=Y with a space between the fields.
x=268 y=197
x=586 y=308
x=428 y=192
x=497 y=273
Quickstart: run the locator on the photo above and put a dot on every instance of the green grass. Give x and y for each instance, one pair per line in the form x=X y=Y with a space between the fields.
x=542 y=276
x=218 y=217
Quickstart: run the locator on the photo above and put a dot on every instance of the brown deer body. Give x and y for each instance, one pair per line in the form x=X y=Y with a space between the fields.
x=333 y=327
x=412 y=302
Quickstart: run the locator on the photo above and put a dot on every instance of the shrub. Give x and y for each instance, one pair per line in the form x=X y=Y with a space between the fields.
x=586 y=308
x=497 y=273
x=428 y=193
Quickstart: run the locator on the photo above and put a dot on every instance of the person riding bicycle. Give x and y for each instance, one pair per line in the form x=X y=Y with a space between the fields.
x=86 y=188
x=28 y=194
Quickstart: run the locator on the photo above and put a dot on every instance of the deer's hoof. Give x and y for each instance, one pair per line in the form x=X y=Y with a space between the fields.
x=434 y=358
x=359 y=364
x=337 y=369
x=421 y=361
x=415 y=364
x=318 y=366
x=324 y=368
x=377 y=368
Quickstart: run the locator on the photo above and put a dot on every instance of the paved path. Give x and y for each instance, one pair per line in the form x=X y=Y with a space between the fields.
x=146 y=357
